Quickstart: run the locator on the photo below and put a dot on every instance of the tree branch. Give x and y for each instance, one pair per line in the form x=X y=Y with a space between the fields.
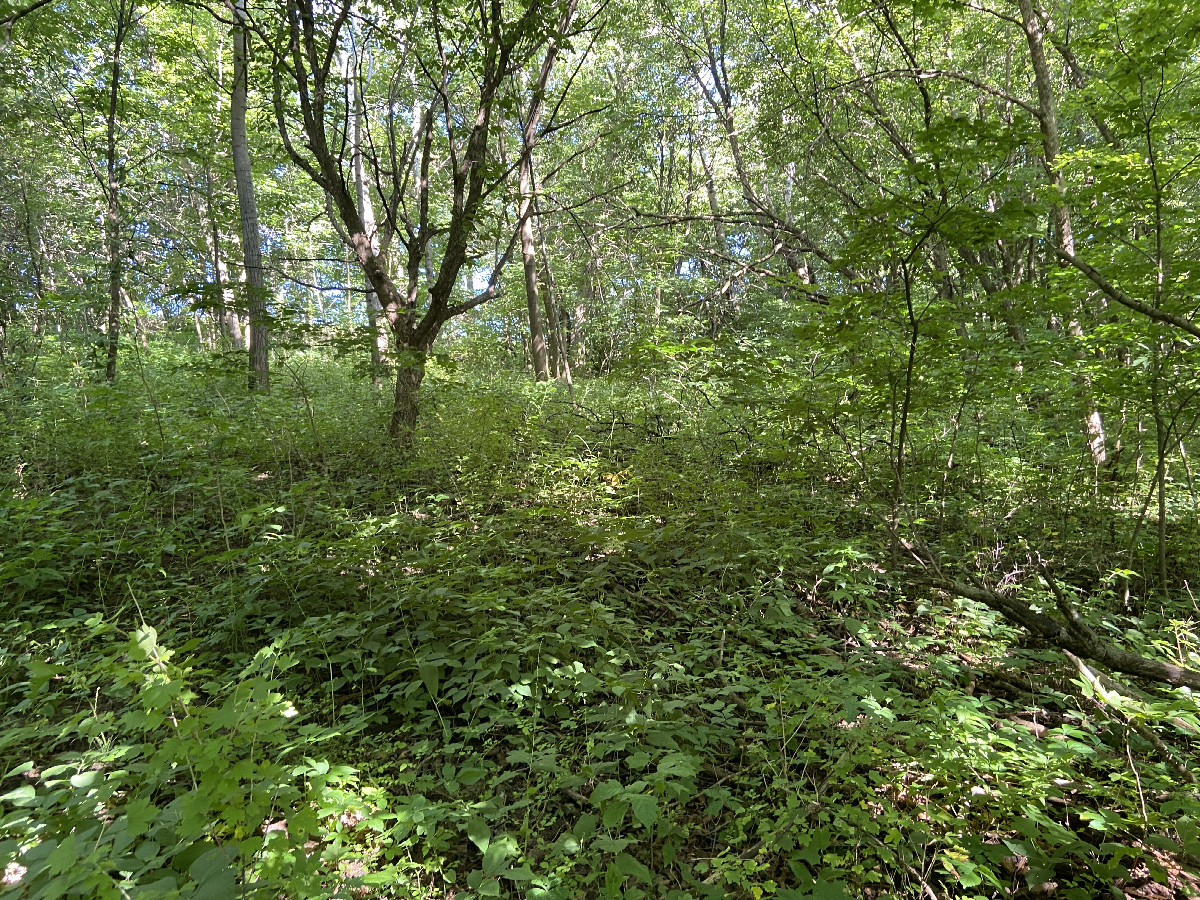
x=1115 y=293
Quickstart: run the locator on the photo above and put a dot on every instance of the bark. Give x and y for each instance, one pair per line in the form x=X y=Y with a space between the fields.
x=112 y=214
x=1162 y=436
x=550 y=308
x=248 y=209
x=33 y=239
x=528 y=189
x=594 y=291
x=914 y=325
x=716 y=315
x=1070 y=633
x=226 y=314
x=229 y=325
x=559 y=364
x=1059 y=213
x=537 y=336
x=410 y=372
x=362 y=190
x=1048 y=123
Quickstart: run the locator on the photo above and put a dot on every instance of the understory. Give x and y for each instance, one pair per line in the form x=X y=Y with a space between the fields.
x=666 y=639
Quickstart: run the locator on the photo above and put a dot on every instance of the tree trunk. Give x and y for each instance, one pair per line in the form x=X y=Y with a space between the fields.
x=112 y=214
x=414 y=324
x=141 y=329
x=1059 y=212
x=379 y=338
x=1162 y=437
x=226 y=313
x=537 y=336
x=528 y=188
x=248 y=209
x=1069 y=633
x=559 y=367
x=410 y=372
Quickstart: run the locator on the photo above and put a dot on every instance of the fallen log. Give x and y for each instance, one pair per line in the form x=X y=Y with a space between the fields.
x=1070 y=633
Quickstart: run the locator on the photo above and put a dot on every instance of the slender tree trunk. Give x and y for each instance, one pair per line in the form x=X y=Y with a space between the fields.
x=537 y=336
x=1162 y=438
x=248 y=209
x=1048 y=122
x=528 y=188
x=318 y=294
x=226 y=313
x=551 y=320
x=112 y=214
x=375 y=318
x=141 y=328
x=559 y=367
x=1059 y=212
x=33 y=239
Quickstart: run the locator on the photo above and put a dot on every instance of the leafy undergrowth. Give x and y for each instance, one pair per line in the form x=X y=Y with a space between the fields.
x=560 y=652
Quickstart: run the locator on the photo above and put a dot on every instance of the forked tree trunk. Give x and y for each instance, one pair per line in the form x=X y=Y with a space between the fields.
x=248 y=210
x=307 y=64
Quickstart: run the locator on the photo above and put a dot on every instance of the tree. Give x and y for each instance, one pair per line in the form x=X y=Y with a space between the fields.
x=259 y=343
x=362 y=192
x=455 y=63
x=122 y=23
x=528 y=190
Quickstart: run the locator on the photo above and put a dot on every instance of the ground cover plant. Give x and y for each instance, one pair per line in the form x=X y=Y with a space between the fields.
x=642 y=645
x=599 y=448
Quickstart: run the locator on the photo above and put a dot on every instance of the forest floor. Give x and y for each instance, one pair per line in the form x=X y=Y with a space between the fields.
x=622 y=647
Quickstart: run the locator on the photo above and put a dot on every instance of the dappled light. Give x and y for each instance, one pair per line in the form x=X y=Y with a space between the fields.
x=599 y=449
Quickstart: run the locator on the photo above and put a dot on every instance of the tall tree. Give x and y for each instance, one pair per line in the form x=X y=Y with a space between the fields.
x=259 y=343
x=122 y=23
x=461 y=81
x=362 y=192
x=528 y=189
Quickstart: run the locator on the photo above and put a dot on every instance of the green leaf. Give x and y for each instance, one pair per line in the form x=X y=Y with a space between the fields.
x=495 y=856
x=627 y=865
x=679 y=765
x=139 y=814
x=85 y=779
x=430 y=675
x=830 y=890
x=614 y=813
x=480 y=833
x=606 y=790
x=22 y=796
x=645 y=808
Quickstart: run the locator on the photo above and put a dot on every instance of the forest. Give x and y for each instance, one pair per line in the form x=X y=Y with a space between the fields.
x=564 y=449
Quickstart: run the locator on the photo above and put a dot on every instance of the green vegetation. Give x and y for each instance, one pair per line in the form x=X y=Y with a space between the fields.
x=648 y=645
x=594 y=449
